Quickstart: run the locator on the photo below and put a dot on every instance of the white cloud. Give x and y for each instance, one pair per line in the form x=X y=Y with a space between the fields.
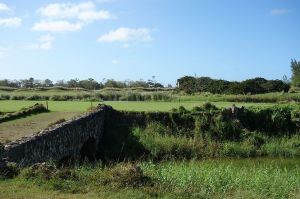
x=69 y=17
x=4 y=7
x=11 y=22
x=279 y=12
x=45 y=43
x=57 y=26
x=64 y=10
x=127 y=36
x=85 y=11
x=94 y=15
x=104 y=1
x=115 y=61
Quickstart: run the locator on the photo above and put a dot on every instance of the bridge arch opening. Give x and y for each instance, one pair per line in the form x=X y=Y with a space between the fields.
x=89 y=149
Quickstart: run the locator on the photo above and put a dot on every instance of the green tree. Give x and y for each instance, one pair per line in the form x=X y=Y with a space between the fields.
x=187 y=84
x=295 y=66
x=47 y=83
x=111 y=83
x=73 y=83
x=89 y=84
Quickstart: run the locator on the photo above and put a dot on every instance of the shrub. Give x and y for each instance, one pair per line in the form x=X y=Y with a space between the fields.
x=8 y=170
x=63 y=97
x=34 y=97
x=209 y=106
x=127 y=175
x=18 y=97
x=182 y=110
x=55 y=98
x=271 y=121
x=197 y=109
x=4 y=97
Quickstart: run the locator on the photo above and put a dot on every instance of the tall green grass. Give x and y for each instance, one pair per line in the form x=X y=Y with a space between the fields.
x=228 y=178
x=161 y=143
x=223 y=178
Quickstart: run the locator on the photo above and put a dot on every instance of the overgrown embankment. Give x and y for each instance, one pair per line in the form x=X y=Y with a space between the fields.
x=79 y=94
x=139 y=94
x=203 y=132
x=35 y=109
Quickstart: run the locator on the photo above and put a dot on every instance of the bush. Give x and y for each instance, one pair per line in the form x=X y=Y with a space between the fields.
x=209 y=106
x=273 y=121
x=4 y=97
x=8 y=170
x=34 y=97
x=18 y=97
x=182 y=110
x=64 y=97
x=127 y=175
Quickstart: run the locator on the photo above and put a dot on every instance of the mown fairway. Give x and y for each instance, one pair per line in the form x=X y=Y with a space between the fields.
x=79 y=106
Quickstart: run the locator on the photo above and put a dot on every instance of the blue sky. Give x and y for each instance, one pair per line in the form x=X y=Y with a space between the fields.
x=133 y=39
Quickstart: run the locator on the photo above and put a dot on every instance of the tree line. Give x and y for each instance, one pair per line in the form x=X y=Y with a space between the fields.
x=187 y=84
x=256 y=85
x=89 y=83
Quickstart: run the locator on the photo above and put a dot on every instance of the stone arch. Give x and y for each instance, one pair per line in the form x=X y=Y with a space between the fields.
x=89 y=149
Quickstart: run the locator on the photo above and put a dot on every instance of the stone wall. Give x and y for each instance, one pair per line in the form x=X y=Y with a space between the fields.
x=64 y=140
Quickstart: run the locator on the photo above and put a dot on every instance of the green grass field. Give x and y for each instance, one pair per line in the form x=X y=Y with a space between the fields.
x=79 y=106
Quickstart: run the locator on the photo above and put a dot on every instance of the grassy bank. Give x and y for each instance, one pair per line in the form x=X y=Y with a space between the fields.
x=159 y=143
x=224 y=178
x=202 y=132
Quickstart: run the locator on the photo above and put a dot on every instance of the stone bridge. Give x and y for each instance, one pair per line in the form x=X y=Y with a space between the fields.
x=100 y=132
x=77 y=138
